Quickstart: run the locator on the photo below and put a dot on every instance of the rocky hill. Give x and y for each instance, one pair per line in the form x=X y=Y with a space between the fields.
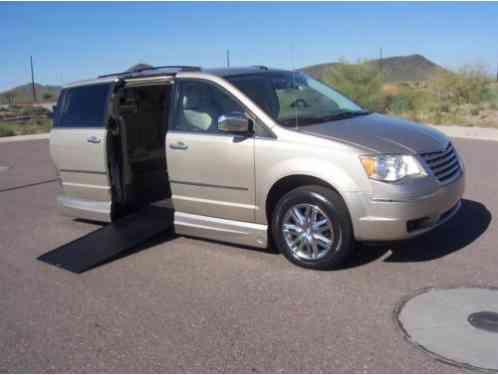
x=23 y=94
x=395 y=69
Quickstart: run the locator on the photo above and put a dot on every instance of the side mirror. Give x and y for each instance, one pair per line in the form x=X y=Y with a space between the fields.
x=235 y=122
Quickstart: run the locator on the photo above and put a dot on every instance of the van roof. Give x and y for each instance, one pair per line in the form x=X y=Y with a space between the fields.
x=170 y=71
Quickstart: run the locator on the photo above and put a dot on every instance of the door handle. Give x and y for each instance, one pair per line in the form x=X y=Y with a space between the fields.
x=93 y=139
x=178 y=146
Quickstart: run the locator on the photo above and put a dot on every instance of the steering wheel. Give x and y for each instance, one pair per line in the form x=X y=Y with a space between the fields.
x=300 y=103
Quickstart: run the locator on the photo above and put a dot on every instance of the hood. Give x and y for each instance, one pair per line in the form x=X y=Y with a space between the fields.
x=381 y=134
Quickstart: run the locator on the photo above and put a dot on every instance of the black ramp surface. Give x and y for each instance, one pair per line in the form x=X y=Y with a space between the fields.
x=106 y=243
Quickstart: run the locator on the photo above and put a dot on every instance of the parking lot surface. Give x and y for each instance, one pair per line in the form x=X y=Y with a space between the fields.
x=183 y=304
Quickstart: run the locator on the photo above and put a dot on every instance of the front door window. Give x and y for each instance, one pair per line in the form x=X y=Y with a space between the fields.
x=200 y=104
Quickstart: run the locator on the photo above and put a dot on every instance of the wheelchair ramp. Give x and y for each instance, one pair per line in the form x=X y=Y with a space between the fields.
x=107 y=243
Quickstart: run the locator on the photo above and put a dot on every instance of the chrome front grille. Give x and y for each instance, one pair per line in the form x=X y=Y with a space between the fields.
x=443 y=164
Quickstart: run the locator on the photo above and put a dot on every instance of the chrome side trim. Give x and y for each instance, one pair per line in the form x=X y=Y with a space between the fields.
x=207 y=185
x=81 y=171
x=232 y=231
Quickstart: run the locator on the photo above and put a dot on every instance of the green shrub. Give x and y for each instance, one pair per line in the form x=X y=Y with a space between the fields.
x=491 y=96
x=400 y=104
x=7 y=130
x=35 y=127
x=471 y=85
x=438 y=117
x=445 y=108
x=41 y=125
x=360 y=82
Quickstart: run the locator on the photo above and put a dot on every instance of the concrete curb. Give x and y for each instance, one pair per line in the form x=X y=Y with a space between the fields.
x=485 y=134
x=24 y=138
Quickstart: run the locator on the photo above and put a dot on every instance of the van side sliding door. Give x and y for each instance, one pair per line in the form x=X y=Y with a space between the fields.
x=79 y=151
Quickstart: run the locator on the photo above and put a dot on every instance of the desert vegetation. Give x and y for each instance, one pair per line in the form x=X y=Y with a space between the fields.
x=21 y=120
x=468 y=97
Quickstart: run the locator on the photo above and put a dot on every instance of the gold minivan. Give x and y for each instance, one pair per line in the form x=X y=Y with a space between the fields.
x=245 y=155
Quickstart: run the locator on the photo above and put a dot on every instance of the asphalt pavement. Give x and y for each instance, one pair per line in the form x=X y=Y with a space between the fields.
x=188 y=305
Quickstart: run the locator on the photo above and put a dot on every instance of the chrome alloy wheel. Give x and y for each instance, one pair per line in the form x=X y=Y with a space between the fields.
x=307 y=231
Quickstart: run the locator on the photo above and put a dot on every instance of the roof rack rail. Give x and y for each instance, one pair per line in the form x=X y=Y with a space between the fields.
x=262 y=67
x=175 y=68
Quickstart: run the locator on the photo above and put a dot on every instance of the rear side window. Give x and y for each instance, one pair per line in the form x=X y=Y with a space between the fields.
x=83 y=106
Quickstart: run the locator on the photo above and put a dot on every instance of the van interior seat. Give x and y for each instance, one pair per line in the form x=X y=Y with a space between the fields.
x=199 y=112
x=145 y=128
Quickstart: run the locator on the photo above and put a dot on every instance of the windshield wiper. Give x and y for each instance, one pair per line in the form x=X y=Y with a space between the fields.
x=300 y=121
x=342 y=115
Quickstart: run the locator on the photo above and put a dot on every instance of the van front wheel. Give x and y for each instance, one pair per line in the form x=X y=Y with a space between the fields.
x=311 y=226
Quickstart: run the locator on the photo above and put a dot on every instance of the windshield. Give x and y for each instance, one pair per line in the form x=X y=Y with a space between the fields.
x=293 y=99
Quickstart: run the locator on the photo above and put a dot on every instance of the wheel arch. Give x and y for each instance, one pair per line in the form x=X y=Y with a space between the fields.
x=288 y=183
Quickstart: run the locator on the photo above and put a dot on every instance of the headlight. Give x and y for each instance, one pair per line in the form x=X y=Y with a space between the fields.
x=391 y=167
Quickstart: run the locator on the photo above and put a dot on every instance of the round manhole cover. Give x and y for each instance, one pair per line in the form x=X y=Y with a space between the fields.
x=458 y=325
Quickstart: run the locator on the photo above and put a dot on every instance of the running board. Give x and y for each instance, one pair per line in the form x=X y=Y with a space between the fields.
x=107 y=243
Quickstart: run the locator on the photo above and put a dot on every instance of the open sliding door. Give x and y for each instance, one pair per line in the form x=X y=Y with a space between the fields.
x=79 y=150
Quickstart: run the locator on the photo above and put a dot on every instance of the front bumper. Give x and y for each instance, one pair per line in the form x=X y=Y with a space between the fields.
x=390 y=220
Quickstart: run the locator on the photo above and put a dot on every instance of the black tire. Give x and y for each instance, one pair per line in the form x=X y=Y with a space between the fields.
x=331 y=204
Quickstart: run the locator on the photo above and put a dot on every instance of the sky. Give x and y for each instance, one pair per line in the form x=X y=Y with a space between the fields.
x=73 y=41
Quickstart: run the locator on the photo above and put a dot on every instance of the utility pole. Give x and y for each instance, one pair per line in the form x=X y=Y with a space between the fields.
x=33 y=80
x=228 y=58
x=381 y=64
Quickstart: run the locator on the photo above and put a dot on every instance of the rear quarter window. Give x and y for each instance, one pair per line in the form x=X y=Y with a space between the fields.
x=83 y=106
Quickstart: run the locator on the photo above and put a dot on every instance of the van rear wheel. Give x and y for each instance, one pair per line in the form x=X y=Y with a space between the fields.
x=311 y=226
